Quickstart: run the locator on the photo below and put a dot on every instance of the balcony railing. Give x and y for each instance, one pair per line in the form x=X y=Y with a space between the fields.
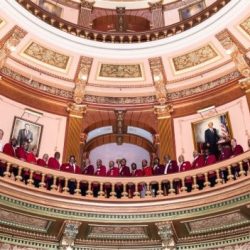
x=163 y=187
x=124 y=37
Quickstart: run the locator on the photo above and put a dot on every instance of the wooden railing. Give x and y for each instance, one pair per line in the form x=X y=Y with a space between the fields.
x=125 y=37
x=160 y=187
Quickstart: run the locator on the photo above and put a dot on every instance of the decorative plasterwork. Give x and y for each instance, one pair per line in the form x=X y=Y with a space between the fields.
x=37 y=85
x=118 y=232
x=2 y=22
x=46 y=57
x=195 y=59
x=81 y=78
x=22 y=221
x=120 y=72
x=245 y=26
x=121 y=100
x=159 y=78
x=227 y=39
x=128 y=217
x=204 y=87
x=215 y=223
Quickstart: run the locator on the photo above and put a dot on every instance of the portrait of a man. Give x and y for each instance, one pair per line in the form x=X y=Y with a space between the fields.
x=209 y=132
x=25 y=135
x=26 y=131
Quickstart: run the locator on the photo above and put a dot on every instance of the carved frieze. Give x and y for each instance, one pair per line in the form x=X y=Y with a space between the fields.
x=198 y=57
x=204 y=87
x=216 y=223
x=46 y=56
x=118 y=232
x=36 y=85
x=22 y=221
x=120 y=72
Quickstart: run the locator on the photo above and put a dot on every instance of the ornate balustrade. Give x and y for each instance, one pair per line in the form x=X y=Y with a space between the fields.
x=206 y=179
x=125 y=37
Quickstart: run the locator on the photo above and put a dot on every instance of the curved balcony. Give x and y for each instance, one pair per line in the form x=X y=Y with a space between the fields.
x=230 y=178
x=124 y=37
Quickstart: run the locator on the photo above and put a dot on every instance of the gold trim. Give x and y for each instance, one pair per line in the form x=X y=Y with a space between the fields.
x=115 y=79
x=48 y=66
x=207 y=118
x=198 y=66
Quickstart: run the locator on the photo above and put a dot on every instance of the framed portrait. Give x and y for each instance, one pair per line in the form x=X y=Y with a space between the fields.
x=25 y=130
x=221 y=122
x=191 y=10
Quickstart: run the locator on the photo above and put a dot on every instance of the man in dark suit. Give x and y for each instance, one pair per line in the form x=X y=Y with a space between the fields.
x=25 y=135
x=211 y=139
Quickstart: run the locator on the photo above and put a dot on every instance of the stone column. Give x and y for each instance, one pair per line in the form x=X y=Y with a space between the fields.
x=157 y=16
x=74 y=131
x=245 y=85
x=165 y=131
x=85 y=18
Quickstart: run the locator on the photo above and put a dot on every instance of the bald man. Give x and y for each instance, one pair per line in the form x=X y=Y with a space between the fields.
x=211 y=139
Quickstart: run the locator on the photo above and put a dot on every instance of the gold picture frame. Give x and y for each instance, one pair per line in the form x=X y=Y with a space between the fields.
x=219 y=121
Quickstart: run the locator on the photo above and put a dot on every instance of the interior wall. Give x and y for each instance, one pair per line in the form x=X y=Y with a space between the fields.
x=54 y=126
x=112 y=151
x=240 y=123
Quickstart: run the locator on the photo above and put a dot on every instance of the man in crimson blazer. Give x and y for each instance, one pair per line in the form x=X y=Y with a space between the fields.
x=236 y=150
x=71 y=167
x=112 y=172
x=185 y=166
x=53 y=163
x=147 y=170
x=22 y=150
x=225 y=152
x=88 y=168
x=9 y=148
x=211 y=139
x=42 y=162
x=171 y=166
x=209 y=160
x=158 y=169
x=198 y=162
x=124 y=170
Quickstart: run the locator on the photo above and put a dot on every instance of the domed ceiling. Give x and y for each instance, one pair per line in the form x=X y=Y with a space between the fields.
x=51 y=55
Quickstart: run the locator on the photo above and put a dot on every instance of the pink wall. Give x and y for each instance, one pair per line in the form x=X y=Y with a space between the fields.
x=240 y=122
x=111 y=151
x=53 y=125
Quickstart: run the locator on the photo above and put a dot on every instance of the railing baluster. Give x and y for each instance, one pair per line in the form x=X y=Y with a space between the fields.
x=7 y=174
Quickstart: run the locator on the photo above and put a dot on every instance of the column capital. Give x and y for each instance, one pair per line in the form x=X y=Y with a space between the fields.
x=245 y=84
x=163 y=111
x=165 y=231
x=155 y=5
x=76 y=110
x=87 y=5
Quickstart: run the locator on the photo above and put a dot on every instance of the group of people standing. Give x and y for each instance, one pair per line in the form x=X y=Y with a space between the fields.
x=120 y=168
